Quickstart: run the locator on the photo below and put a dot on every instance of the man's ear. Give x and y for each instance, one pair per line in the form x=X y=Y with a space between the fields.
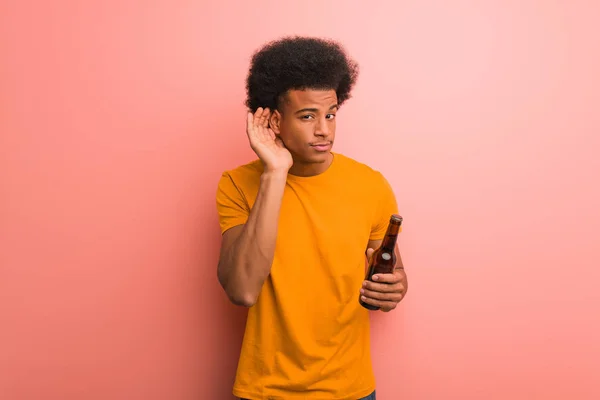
x=275 y=121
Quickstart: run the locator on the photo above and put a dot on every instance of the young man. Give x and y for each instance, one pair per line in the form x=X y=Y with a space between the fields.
x=297 y=224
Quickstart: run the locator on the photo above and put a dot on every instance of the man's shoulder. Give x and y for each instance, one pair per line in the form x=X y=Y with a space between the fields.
x=244 y=178
x=245 y=172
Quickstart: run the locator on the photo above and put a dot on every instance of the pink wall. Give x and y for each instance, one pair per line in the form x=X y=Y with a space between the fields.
x=117 y=119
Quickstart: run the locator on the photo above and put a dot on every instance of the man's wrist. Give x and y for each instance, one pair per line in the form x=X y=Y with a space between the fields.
x=275 y=174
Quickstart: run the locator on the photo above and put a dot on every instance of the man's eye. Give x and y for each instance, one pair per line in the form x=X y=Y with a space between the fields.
x=330 y=116
x=306 y=116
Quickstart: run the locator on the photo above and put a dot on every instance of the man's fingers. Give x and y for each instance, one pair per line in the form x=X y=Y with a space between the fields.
x=265 y=117
x=387 y=278
x=384 y=305
x=385 y=292
x=256 y=118
x=390 y=296
x=257 y=125
x=260 y=122
x=383 y=287
x=249 y=120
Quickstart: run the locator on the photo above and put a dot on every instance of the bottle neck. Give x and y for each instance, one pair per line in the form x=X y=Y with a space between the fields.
x=391 y=236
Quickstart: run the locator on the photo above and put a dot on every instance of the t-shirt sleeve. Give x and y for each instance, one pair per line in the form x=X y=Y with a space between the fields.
x=386 y=206
x=232 y=206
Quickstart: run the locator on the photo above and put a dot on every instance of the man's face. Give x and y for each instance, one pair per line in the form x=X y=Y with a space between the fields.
x=305 y=122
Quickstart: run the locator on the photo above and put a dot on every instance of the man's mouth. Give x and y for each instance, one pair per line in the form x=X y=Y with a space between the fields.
x=321 y=146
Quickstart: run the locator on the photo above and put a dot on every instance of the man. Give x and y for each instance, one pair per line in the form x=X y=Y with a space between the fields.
x=297 y=224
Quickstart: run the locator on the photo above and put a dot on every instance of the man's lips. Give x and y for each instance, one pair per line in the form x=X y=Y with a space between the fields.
x=321 y=145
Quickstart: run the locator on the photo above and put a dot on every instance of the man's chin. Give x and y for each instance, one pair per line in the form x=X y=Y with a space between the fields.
x=313 y=157
x=319 y=158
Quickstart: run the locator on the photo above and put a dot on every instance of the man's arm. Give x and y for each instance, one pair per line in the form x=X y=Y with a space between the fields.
x=247 y=250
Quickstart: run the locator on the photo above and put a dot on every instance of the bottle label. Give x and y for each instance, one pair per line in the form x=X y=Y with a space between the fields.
x=386 y=256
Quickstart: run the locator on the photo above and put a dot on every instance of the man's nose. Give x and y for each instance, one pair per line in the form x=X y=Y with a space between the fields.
x=322 y=128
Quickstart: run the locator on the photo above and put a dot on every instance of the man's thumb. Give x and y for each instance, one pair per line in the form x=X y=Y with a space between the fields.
x=370 y=253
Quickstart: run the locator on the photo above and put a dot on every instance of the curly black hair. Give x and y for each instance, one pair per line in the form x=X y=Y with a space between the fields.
x=298 y=63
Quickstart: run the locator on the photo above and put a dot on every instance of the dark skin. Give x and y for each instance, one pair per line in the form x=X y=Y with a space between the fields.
x=305 y=119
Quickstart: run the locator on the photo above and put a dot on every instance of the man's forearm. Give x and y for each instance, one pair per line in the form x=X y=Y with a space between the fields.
x=247 y=263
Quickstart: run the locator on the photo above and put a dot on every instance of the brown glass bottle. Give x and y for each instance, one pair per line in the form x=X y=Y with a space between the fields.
x=384 y=258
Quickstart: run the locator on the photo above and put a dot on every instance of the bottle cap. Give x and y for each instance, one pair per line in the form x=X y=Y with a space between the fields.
x=396 y=218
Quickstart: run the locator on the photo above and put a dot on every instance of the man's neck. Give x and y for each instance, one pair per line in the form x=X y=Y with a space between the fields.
x=310 y=169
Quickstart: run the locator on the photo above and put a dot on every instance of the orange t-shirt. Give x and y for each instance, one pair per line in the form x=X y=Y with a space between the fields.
x=307 y=337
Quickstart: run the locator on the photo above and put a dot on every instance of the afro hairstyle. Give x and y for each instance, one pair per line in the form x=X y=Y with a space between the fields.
x=298 y=63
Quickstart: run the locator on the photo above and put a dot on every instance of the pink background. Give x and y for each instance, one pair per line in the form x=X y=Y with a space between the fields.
x=117 y=118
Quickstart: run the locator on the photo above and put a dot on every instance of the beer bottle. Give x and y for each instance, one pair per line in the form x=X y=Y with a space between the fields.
x=384 y=258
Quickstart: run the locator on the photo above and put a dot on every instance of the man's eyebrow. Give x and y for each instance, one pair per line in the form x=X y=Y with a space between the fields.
x=314 y=109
